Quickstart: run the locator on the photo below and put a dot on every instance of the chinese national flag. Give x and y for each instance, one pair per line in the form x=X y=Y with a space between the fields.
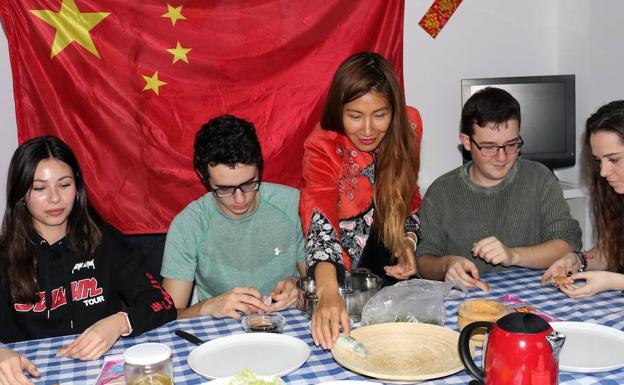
x=127 y=84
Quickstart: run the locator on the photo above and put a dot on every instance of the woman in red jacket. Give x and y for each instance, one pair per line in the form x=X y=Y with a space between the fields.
x=360 y=195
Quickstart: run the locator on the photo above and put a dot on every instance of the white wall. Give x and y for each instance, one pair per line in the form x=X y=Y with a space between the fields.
x=8 y=128
x=485 y=38
x=572 y=20
x=606 y=53
x=496 y=38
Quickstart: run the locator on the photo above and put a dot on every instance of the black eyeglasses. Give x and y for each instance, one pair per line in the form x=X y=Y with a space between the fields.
x=492 y=149
x=228 y=191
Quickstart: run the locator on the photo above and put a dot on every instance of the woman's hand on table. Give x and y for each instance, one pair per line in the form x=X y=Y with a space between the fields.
x=97 y=339
x=562 y=267
x=284 y=294
x=595 y=282
x=461 y=270
x=330 y=313
x=406 y=265
x=12 y=366
x=234 y=302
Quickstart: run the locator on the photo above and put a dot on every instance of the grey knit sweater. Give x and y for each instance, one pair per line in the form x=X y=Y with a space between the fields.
x=525 y=209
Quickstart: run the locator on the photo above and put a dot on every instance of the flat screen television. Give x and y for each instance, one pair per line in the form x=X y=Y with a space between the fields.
x=547 y=109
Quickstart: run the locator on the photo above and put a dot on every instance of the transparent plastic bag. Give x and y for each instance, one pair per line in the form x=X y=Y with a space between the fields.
x=416 y=300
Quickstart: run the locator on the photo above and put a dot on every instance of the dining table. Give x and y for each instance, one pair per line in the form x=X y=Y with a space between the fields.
x=605 y=308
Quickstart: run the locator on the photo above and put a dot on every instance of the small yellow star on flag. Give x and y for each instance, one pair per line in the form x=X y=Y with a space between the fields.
x=179 y=53
x=152 y=83
x=71 y=26
x=174 y=13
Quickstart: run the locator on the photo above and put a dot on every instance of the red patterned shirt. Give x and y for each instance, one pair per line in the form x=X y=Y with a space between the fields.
x=336 y=205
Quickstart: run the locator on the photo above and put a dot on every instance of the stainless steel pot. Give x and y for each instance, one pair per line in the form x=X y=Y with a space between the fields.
x=359 y=286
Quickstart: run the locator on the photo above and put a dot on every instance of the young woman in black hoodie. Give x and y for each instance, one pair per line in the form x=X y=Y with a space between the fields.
x=62 y=270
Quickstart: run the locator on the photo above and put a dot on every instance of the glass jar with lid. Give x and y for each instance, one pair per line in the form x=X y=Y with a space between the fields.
x=148 y=364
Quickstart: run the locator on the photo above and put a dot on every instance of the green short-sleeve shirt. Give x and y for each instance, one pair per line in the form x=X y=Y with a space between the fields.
x=220 y=253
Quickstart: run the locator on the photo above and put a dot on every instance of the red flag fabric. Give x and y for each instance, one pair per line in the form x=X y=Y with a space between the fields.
x=127 y=84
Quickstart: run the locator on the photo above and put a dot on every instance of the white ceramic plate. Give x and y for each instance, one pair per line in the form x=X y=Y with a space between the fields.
x=226 y=380
x=267 y=354
x=349 y=382
x=590 y=348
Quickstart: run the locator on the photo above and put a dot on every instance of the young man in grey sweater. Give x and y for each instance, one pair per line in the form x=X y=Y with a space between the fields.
x=498 y=210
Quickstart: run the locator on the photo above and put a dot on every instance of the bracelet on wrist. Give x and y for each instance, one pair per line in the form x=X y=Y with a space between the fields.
x=582 y=260
x=407 y=237
x=127 y=319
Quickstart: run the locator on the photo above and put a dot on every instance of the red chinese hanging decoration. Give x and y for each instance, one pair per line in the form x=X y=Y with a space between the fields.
x=438 y=15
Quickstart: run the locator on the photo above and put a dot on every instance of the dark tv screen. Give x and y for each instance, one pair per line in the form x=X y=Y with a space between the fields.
x=547 y=108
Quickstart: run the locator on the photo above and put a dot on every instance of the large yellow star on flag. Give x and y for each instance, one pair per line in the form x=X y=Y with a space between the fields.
x=152 y=83
x=174 y=13
x=179 y=53
x=71 y=26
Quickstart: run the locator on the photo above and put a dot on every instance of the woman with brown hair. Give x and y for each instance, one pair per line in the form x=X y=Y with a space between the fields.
x=360 y=194
x=63 y=270
x=602 y=267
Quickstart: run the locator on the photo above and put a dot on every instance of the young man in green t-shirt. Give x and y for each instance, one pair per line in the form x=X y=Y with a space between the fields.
x=241 y=242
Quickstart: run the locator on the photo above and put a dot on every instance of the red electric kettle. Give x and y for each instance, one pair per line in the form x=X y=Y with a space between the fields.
x=519 y=349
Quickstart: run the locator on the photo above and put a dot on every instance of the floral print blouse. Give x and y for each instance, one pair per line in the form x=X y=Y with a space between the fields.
x=336 y=205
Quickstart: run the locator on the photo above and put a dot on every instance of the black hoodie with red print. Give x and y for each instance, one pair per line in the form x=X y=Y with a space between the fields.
x=82 y=292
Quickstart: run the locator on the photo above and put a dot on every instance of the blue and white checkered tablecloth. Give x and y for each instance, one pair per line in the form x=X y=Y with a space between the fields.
x=605 y=308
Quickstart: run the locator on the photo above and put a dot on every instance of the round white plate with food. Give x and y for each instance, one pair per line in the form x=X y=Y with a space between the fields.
x=227 y=380
x=266 y=354
x=348 y=382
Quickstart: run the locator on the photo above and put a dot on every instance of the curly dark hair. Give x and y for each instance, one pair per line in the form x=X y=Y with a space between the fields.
x=226 y=140
x=608 y=205
x=488 y=105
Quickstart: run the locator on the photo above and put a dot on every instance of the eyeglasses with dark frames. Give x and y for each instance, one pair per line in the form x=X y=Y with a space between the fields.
x=245 y=187
x=492 y=149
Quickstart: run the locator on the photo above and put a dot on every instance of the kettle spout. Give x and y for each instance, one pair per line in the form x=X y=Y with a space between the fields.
x=556 y=340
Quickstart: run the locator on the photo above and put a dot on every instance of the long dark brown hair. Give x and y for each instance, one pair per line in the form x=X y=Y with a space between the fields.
x=397 y=160
x=83 y=235
x=608 y=205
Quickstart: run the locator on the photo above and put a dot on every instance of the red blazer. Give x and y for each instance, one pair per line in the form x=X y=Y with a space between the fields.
x=336 y=204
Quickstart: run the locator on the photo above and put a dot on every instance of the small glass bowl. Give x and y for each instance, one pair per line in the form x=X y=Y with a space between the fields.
x=267 y=323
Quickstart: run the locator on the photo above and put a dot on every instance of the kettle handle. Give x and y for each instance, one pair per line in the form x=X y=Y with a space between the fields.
x=464 y=348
